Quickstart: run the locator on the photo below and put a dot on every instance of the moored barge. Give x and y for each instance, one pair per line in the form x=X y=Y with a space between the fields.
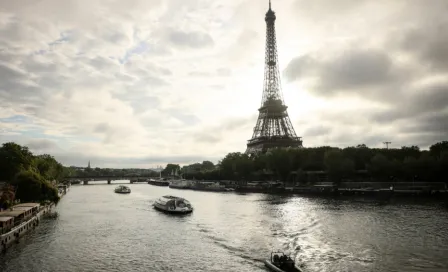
x=18 y=220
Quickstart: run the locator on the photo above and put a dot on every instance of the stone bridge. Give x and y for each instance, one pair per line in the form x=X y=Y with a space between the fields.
x=85 y=180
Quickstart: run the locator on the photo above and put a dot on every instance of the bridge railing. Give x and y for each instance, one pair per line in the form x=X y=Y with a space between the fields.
x=110 y=177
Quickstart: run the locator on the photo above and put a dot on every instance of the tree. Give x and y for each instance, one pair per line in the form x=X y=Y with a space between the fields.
x=207 y=166
x=32 y=187
x=380 y=167
x=171 y=169
x=410 y=151
x=281 y=161
x=13 y=159
x=337 y=165
x=403 y=163
x=437 y=149
x=48 y=167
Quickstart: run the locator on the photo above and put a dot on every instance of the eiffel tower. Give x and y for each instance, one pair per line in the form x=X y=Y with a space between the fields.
x=273 y=128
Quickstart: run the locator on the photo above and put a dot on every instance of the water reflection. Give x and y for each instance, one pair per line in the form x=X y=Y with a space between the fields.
x=95 y=230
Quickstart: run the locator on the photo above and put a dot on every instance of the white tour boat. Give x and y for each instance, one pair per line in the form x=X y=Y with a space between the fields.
x=122 y=190
x=173 y=204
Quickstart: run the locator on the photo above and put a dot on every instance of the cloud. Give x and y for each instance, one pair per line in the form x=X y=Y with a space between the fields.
x=42 y=145
x=151 y=82
x=361 y=72
x=193 y=39
x=224 y=72
x=317 y=130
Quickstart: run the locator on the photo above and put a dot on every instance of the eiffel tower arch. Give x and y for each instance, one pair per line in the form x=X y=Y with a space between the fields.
x=273 y=128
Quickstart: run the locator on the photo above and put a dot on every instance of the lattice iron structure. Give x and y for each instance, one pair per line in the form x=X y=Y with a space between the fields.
x=273 y=128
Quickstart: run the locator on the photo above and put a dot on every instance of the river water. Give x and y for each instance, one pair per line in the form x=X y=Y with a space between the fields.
x=98 y=230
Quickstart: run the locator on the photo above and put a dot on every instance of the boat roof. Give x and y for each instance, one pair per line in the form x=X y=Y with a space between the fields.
x=11 y=213
x=23 y=208
x=5 y=218
x=172 y=197
x=27 y=205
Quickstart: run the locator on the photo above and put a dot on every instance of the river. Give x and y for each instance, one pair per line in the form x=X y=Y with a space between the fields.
x=98 y=230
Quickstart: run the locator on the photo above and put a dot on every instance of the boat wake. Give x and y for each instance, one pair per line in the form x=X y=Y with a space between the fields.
x=245 y=253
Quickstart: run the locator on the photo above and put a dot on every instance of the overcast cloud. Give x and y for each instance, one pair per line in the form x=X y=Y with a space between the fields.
x=145 y=82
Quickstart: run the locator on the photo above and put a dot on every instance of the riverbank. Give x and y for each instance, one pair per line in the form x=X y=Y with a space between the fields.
x=21 y=218
x=377 y=189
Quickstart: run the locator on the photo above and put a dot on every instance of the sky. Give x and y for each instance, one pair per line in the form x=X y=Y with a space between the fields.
x=141 y=83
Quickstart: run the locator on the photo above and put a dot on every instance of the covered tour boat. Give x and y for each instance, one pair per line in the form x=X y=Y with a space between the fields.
x=173 y=205
x=280 y=262
x=122 y=190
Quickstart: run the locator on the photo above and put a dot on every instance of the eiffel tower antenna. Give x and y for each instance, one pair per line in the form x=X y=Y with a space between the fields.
x=273 y=128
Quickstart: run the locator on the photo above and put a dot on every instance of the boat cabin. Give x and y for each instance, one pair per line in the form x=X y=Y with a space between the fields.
x=34 y=206
x=6 y=224
x=28 y=211
x=18 y=215
x=174 y=201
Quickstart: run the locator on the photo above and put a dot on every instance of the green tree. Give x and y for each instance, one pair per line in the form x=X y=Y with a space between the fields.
x=380 y=167
x=337 y=165
x=281 y=162
x=207 y=166
x=170 y=169
x=48 y=167
x=438 y=148
x=410 y=151
x=32 y=187
x=13 y=159
x=405 y=163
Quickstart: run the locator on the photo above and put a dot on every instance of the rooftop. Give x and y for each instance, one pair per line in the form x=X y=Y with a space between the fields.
x=27 y=205
x=11 y=213
x=23 y=208
x=172 y=197
x=5 y=218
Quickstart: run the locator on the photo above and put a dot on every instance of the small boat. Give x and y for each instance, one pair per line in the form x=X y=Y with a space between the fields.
x=122 y=190
x=173 y=205
x=280 y=262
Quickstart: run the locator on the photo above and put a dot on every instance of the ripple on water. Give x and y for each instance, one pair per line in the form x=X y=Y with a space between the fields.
x=97 y=230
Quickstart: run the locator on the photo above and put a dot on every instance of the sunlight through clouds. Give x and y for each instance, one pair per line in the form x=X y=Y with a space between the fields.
x=144 y=82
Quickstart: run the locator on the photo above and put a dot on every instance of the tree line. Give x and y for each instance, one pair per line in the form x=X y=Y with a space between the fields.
x=32 y=177
x=355 y=163
x=28 y=177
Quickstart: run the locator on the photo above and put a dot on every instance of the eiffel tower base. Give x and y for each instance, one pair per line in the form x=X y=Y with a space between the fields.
x=263 y=144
